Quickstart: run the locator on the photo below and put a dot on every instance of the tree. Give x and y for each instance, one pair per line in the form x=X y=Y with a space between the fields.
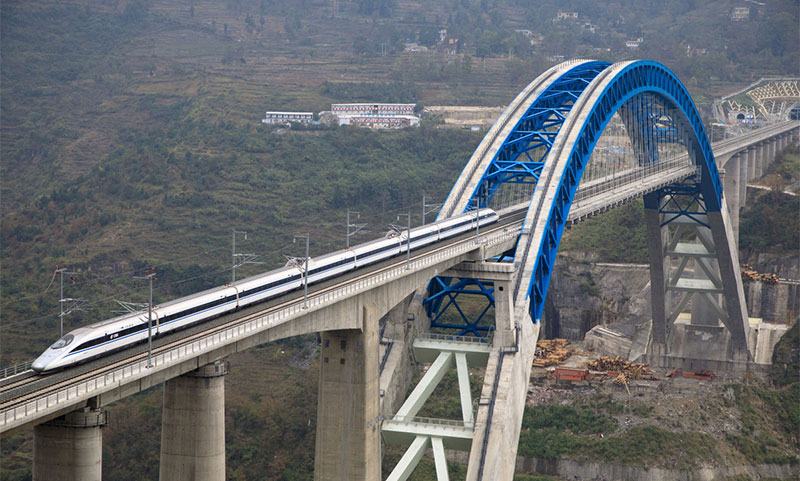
x=362 y=47
x=383 y=8
x=136 y=11
x=428 y=35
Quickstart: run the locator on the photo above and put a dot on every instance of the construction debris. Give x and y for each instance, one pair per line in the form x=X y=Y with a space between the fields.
x=572 y=374
x=701 y=374
x=615 y=366
x=622 y=380
x=750 y=274
x=551 y=352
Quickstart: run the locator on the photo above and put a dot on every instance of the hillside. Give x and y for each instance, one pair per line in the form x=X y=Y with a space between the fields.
x=130 y=138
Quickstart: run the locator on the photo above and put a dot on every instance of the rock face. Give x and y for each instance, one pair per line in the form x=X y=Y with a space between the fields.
x=779 y=303
x=584 y=294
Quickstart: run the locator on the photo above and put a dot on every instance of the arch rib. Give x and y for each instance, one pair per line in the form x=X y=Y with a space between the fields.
x=569 y=133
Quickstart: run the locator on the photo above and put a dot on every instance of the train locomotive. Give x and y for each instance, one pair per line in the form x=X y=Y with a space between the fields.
x=101 y=338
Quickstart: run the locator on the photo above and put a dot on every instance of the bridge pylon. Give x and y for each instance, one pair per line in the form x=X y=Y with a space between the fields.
x=698 y=308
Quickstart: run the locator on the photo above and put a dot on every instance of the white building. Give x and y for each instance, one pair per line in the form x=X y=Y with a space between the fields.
x=375 y=115
x=740 y=13
x=634 y=43
x=284 y=117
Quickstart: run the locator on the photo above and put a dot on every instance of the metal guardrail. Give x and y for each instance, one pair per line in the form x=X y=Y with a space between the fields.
x=450 y=338
x=82 y=390
x=626 y=177
x=434 y=421
x=14 y=370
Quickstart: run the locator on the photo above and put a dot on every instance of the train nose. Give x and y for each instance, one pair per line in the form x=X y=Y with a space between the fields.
x=38 y=365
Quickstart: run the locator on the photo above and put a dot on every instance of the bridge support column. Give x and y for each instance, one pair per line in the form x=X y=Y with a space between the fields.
x=657 y=238
x=348 y=444
x=748 y=159
x=760 y=152
x=69 y=448
x=732 y=182
x=193 y=426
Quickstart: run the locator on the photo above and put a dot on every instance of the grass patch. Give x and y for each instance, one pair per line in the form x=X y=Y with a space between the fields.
x=618 y=235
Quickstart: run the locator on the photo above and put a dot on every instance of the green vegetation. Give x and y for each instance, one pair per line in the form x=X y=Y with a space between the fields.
x=769 y=224
x=785 y=170
x=158 y=198
x=551 y=431
x=555 y=431
x=595 y=431
x=371 y=92
x=131 y=138
x=618 y=235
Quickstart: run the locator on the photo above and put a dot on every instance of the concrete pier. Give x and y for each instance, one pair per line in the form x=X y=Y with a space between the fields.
x=348 y=443
x=69 y=448
x=657 y=240
x=193 y=426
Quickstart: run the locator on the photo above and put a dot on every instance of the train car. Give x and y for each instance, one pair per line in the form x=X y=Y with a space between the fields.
x=101 y=338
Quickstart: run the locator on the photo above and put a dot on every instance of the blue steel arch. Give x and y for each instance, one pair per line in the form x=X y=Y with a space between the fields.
x=598 y=90
x=619 y=85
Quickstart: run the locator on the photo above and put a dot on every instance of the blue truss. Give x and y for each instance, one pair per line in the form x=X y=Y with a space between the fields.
x=681 y=201
x=521 y=158
x=443 y=293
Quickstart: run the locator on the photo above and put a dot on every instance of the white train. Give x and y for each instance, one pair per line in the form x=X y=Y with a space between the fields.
x=103 y=337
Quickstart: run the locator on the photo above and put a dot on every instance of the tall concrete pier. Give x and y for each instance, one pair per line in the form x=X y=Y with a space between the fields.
x=69 y=448
x=193 y=426
x=348 y=443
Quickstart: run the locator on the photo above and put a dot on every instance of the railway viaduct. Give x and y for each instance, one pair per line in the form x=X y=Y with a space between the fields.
x=537 y=169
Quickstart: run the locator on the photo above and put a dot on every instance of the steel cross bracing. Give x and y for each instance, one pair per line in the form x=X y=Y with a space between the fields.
x=521 y=158
x=448 y=289
x=682 y=201
x=689 y=242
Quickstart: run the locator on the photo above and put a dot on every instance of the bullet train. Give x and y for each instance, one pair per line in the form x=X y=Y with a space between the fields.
x=120 y=332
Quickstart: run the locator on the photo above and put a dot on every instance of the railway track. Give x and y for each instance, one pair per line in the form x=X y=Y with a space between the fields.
x=17 y=392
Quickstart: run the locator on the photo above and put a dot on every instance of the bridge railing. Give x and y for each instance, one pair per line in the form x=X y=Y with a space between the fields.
x=16 y=369
x=454 y=423
x=451 y=338
x=85 y=389
x=629 y=176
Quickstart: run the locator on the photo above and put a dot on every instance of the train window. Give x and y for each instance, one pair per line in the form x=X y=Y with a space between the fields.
x=64 y=341
x=90 y=343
